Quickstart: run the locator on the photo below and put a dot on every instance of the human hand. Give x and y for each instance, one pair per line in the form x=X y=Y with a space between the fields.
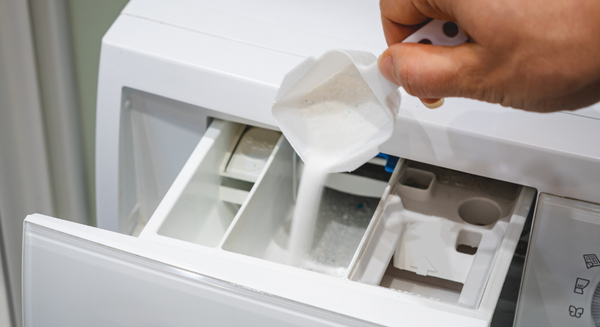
x=536 y=55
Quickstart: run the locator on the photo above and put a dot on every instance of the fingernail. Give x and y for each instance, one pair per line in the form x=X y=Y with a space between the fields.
x=433 y=103
x=386 y=67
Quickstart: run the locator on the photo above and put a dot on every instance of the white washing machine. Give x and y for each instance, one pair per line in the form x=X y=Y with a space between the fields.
x=561 y=280
x=195 y=185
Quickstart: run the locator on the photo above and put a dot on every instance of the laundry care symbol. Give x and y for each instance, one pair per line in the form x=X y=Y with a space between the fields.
x=591 y=260
x=580 y=284
x=575 y=312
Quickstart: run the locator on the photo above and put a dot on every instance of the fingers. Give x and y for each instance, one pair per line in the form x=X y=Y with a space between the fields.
x=433 y=72
x=428 y=72
x=414 y=12
x=400 y=18
x=395 y=33
x=398 y=23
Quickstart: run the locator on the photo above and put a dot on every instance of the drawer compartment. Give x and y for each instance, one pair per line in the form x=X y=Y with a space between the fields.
x=213 y=185
x=425 y=230
x=349 y=202
x=443 y=234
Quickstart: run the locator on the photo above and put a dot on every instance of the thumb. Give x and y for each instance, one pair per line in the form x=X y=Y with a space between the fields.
x=428 y=71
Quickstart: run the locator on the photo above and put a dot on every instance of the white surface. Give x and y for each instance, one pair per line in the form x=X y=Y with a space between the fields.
x=357 y=185
x=377 y=255
x=427 y=245
x=255 y=231
x=116 y=278
x=334 y=83
x=428 y=248
x=192 y=210
x=229 y=57
x=116 y=274
x=24 y=172
x=426 y=179
x=262 y=228
x=564 y=231
x=74 y=274
x=232 y=195
x=251 y=154
x=591 y=112
x=157 y=138
x=434 y=32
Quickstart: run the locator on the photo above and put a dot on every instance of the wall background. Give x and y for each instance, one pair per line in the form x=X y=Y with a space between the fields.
x=49 y=55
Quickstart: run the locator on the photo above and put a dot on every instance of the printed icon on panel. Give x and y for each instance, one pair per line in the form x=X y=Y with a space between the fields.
x=580 y=284
x=591 y=260
x=575 y=312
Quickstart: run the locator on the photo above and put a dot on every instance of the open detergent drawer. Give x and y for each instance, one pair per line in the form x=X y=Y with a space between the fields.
x=422 y=233
x=237 y=192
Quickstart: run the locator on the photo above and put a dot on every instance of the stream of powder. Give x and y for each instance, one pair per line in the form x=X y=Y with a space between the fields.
x=341 y=115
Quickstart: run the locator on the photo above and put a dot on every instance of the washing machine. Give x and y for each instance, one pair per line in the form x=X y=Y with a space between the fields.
x=472 y=215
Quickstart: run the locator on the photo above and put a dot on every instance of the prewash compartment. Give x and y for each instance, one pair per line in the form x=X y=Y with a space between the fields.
x=349 y=202
x=213 y=185
x=445 y=235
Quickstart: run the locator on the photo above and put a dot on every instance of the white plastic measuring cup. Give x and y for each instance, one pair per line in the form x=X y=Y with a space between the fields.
x=313 y=72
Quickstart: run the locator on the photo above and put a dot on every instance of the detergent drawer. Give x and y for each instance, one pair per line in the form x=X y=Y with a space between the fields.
x=237 y=193
x=414 y=233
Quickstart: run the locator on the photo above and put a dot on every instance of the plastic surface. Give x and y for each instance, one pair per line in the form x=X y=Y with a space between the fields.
x=192 y=209
x=310 y=74
x=156 y=139
x=390 y=161
x=439 y=32
x=75 y=274
x=427 y=234
x=206 y=197
x=251 y=154
x=344 y=215
x=226 y=59
x=357 y=185
x=191 y=213
x=117 y=274
x=563 y=270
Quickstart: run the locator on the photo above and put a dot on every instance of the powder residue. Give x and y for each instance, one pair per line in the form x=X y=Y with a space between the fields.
x=341 y=115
